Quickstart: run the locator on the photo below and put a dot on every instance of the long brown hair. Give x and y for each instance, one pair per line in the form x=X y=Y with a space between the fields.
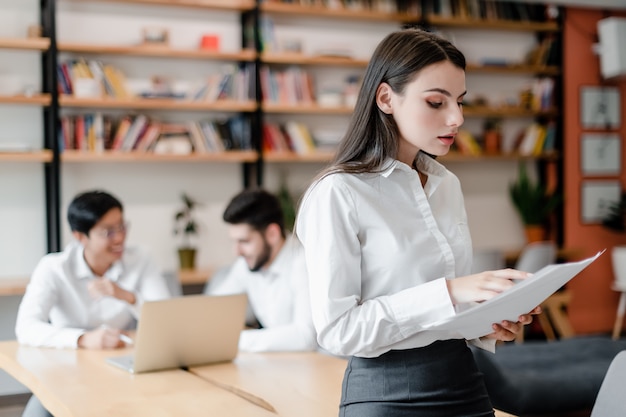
x=372 y=136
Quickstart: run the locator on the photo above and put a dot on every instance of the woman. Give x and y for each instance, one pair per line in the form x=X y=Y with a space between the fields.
x=387 y=243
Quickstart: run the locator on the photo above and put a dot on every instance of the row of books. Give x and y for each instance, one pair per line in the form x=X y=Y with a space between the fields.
x=98 y=132
x=535 y=140
x=288 y=137
x=291 y=86
x=383 y=6
x=93 y=78
x=107 y=79
x=487 y=10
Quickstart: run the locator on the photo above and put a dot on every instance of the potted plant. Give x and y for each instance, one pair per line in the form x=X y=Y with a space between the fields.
x=533 y=203
x=186 y=226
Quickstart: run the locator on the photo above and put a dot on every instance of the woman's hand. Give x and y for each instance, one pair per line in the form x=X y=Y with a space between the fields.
x=507 y=331
x=482 y=286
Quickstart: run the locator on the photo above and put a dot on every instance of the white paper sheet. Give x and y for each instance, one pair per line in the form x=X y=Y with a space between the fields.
x=510 y=304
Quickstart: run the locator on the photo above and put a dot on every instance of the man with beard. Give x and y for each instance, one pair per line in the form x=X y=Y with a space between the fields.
x=270 y=269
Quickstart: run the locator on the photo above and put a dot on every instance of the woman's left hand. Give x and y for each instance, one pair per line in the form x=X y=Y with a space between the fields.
x=507 y=331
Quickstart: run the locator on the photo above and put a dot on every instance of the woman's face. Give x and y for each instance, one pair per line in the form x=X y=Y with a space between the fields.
x=429 y=112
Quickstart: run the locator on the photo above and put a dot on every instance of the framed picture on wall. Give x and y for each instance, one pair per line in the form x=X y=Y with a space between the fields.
x=600 y=107
x=597 y=197
x=601 y=154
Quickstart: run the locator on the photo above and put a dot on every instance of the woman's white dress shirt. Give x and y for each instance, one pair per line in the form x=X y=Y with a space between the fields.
x=57 y=307
x=379 y=248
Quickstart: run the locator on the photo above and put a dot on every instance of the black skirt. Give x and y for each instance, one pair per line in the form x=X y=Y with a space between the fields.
x=438 y=380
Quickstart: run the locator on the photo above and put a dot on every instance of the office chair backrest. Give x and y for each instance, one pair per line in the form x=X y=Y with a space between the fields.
x=536 y=255
x=487 y=260
x=611 y=399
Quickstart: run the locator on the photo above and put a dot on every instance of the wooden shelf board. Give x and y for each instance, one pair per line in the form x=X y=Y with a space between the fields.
x=37 y=44
x=36 y=100
x=44 y=155
x=13 y=286
x=514 y=69
x=321 y=156
x=301 y=59
x=236 y=5
x=505 y=112
x=156 y=51
x=320 y=11
x=158 y=104
x=305 y=109
x=459 y=157
x=195 y=276
x=116 y=156
x=436 y=20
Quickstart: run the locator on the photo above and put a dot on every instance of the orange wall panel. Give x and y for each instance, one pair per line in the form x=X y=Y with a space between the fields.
x=593 y=305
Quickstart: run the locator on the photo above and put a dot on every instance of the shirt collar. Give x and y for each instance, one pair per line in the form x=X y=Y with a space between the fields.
x=277 y=265
x=83 y=271
x=423 y=162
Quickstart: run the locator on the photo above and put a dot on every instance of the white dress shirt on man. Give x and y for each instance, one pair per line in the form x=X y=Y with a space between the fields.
x=379 y=248
x=57 y=307
x=279 y=297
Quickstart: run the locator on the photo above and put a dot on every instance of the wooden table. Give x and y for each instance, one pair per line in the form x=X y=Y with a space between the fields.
x=78 y=383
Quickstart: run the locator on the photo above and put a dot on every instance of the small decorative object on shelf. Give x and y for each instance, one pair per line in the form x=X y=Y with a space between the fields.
x=186 y=226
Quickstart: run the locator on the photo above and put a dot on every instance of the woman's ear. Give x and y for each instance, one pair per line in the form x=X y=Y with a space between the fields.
x=383 y=98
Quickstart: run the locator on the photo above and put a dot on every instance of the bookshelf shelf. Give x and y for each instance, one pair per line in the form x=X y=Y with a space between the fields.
x=113 y=156
x=318 y=156
x=304 y=109
x=514 y=69
x=475 y=111
x=156 y=51
x=36 y=100
x=320 y=11
x=525 y=26
x=235 y=5
x=301 y=59
x=35 y=44
x=44 y=155
x=158 y=104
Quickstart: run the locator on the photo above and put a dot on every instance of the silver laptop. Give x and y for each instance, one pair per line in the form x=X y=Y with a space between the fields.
x=186 y=331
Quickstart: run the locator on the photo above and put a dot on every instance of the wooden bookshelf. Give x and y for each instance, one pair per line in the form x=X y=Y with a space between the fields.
x=302 y=59
x=36 y=100
x=72 y=155
x=156 y=51
x=43 y=155
x=158 y=104
x=527 y=26
x=505 y=112
x=514 y=69
x=321 y=11
x=304 y=109
x=236 y=5
x=318 y=156
x=35 y=44
x=13 y=286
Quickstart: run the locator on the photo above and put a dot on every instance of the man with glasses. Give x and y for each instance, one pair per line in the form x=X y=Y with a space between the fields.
x=89 y=294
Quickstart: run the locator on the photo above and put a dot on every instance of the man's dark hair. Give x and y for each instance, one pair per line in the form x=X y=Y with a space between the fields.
x=86 y=209
x=257 y=208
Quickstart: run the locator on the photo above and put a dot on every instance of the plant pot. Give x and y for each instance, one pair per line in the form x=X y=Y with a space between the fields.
x=187 y=258
x=534 y=233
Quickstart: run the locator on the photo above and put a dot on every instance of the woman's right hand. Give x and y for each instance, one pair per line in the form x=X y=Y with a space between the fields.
x=482 y=286
x=101 y=338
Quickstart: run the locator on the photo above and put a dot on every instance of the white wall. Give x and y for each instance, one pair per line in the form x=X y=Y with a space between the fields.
x=150 y=191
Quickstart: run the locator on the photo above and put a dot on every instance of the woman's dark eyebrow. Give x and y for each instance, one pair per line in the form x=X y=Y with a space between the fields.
x=444 y=92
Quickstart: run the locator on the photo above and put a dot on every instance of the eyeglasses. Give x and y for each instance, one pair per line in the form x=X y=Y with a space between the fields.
x=110 y=232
